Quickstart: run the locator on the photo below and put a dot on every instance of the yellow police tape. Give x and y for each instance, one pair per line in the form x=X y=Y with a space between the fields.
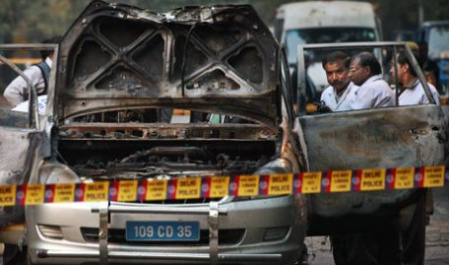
x=219 y=186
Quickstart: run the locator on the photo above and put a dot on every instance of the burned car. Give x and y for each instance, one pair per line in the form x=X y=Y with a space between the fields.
x=397 y=137
x=122 y=76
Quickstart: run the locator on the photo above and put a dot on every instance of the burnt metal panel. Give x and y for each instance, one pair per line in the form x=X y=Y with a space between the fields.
x=220 y=58
x=412 y=136
x=380 y=138
x=17 y=153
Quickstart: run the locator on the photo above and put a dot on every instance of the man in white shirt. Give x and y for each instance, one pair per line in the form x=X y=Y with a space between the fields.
x=365 y=72
x=411 y=90
x=341 y=91
x=17 y=91
x=373 y=92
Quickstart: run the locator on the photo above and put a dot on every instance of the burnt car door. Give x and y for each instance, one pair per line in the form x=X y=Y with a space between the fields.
x=394 y=137
x=23 y=134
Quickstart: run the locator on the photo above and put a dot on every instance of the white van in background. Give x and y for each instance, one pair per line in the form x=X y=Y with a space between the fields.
x=312 y=22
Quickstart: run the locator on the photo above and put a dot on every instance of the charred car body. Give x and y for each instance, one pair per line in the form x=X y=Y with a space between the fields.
x=120 y=69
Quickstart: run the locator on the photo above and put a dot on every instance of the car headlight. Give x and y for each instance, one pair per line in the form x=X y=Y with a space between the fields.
x=57 y=173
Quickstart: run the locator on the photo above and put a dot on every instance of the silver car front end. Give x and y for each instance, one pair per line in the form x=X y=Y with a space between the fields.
x=261 y=230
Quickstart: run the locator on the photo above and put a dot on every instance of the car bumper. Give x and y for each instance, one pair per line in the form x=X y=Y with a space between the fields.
x=236 y=232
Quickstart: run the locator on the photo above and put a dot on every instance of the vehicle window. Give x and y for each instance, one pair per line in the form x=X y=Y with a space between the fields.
x=297 y=37
x=438 y=40
x=396 y=90
x=15 y=116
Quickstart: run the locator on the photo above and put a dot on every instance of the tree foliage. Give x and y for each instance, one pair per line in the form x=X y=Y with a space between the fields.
x=33 y=21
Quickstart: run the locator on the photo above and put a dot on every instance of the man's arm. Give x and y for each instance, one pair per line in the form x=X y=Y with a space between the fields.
x=17 y=91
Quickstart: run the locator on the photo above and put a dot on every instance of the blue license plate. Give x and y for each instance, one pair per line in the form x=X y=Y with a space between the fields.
x=162 y=231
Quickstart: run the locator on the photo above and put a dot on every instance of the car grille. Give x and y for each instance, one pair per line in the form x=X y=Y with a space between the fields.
x=117 y=236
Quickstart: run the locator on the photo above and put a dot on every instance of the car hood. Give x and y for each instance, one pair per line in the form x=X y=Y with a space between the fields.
x=216 y=58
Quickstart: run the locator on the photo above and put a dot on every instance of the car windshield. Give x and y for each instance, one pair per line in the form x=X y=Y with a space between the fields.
x=438 y=41
x=297 y=37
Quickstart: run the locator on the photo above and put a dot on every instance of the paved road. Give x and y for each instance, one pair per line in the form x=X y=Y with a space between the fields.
x=437 y=236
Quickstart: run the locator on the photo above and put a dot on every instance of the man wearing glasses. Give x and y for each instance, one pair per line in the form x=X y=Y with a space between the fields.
x=365 y=72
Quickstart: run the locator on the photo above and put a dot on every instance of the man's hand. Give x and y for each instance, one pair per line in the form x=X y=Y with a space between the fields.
x=322 y=108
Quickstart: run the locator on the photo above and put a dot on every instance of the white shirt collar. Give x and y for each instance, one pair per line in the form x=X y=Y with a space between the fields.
x=48 y=61
x=372 y=79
